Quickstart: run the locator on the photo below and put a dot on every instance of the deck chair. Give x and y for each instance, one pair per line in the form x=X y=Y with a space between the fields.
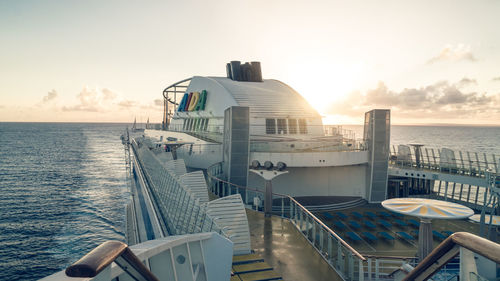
x=354 y=225
x=353 y=236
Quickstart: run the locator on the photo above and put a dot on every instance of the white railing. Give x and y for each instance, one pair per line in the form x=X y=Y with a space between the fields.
x=346 y=261
x=181 y=207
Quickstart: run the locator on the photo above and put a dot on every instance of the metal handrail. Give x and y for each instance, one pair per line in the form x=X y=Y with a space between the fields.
x=449 y=248
x=345 y=244
x=175 y=85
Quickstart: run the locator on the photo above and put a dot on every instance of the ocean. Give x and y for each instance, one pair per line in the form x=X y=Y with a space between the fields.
x=63 y=187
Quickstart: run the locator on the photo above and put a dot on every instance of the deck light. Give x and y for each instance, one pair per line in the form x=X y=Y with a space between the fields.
x=281 y=166
x=255 y=164
x=268 y=165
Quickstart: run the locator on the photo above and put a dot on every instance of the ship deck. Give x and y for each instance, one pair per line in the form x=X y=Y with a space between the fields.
x=400 y=246
x=286 y=250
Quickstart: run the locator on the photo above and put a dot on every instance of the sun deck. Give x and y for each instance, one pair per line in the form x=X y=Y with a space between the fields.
x=286 y=249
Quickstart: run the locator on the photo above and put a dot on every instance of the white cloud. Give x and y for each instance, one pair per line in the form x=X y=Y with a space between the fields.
x=158 y=102
x=459 y=52
x=93 y=100
x=439 y=100
x=51 y=95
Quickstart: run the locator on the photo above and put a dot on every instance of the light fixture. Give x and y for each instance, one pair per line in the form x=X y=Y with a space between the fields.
x=255 y=164
x=268 y=165
x=281 y=166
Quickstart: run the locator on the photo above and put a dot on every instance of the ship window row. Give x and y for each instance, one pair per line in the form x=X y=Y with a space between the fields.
x=195 y=124
x=282 y=126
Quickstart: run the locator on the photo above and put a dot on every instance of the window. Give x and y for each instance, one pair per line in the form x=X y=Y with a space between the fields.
x=302 y=126
x=270 y=126
x=184 y=125
x=292 y=126
x=206 y=124
x=282 y=126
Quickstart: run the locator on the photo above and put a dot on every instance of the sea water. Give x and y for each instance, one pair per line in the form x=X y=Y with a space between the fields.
x=62 y=193
x=63 y=187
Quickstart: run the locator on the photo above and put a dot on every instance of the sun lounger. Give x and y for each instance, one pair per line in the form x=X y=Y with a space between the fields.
x=353 y=236
x=438 y=235
x=401 y=223
x=414 y=223
x=384 y=223
x=327 y=215
x=386 y=236
x=398 y=215
x=340 y=225
x=384 y=214
x=369 y=224
x=354 y=225
x=405 y=235
x=369 y=236
x=370 y=215
x=341 y=215
x=357 y=215
x=447 y=233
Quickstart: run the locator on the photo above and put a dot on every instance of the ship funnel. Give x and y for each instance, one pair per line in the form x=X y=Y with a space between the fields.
x=248 y=72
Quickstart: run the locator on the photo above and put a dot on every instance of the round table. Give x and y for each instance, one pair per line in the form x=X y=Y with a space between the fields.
x=427 y=209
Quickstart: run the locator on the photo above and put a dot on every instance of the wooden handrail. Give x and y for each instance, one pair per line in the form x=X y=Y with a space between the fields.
x=448 y=249
x=103 y=255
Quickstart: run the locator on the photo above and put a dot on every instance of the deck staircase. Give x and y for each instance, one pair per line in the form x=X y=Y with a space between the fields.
x=252 y=267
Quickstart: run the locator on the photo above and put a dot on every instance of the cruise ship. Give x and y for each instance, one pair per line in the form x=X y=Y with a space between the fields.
x=242 y=181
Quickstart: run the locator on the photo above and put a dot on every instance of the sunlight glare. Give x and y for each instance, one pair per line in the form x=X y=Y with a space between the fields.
x=322 y=84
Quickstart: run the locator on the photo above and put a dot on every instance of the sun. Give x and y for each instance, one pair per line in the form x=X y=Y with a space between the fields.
x=323 y=84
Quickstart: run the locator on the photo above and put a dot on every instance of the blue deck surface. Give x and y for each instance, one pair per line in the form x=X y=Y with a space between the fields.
x=384 y=223
x=370 y=215
x=357 y=215
x=327 y=215
x=385 y=235
x=405 y=235
x=340 y=225
x=414 y=222
x=438 y=235
x=354 y=224
x=370 y=236
x=341 y=215
x=353 y=236
x=401 y=223
x=369 y=224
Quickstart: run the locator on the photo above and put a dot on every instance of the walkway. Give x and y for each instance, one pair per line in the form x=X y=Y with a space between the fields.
x=284 y=248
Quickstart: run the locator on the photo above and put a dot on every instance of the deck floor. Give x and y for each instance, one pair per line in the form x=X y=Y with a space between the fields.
x=286 y=250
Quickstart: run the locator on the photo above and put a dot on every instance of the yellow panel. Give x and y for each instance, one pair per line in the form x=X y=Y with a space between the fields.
x=235 y=278
x=250 y=267
x=247 y=258
x=261 y=275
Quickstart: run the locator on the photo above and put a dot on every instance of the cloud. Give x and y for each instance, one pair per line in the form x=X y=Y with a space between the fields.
x=51 y=95
x=460 y=52
x=93 y=100
x=441 y=99
x=127 y=103
x=158 y=102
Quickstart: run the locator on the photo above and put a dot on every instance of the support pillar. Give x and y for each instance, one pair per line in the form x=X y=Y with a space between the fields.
x=424 y=239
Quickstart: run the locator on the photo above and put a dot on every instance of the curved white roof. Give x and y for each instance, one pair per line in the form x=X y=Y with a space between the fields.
x=268 y=98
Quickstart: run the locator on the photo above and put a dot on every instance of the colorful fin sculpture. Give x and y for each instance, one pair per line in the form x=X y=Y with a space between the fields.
x=194 y=100
x=182 y=105
x=188 y=101
x=201 y=102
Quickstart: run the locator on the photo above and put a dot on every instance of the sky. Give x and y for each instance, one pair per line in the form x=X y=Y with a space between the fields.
x=430 y=62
